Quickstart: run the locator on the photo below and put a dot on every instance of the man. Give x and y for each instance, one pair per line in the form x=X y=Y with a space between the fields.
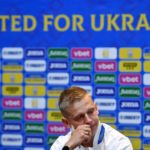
x=80 y=113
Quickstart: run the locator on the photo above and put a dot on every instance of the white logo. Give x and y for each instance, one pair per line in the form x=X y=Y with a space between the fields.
x=130 y=117
x=105 y=52
x=12 y=53
x=146 y=131
x=146 y=78
x=58 y=78
x=37 y=103
x=106 y=104
x=35 y=65
x=11 y=140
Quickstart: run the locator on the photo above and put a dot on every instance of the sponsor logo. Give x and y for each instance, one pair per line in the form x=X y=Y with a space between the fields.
x=54 y=116
x=130 y=117
x=146 y=66
x=147 y=118
x=147 y=92
x=108 y=117
x=14 y=78
x=53 y=103
x=12 y=53
x=34 y=115
x=11 y=127
x=129 y=104
x=130 y=53
x=105 y=53
x=35 y=53
x=35 y=65
x=81 y=53
x=57 y=129
x=105 y=79
x=87 y=88
x=146 y=78
x=35 y=103
x=35 y=78
x=54 y=92
x=129 y=92
x=147 y=105
x=136 y=143
x=52 y=139
x=58 y=53
x=34 y=128
x=130 y=79
x=35 y=90
x=12 y=102
x=134 y=131
x=105 y=91
x=106 y=104
x=130 y=66
x=146 y=144
x=12 y=90
x=81 y=66
x=146 y=131
x=12 y=66
x=58 y=78
x=146 y=53
x=108 y=66
x=11 y=140
x=81 y=78
x=12 y=115
x=58 y=65
x=33 y=148
x=31 y=140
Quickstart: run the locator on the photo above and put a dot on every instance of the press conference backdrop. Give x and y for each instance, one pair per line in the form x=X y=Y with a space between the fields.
x=47 y=46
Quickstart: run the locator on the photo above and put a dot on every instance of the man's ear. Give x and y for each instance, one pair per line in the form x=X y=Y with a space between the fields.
x=66 y=122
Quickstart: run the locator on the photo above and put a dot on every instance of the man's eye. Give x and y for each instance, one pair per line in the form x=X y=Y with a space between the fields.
x=91 y=111
x=79 y=117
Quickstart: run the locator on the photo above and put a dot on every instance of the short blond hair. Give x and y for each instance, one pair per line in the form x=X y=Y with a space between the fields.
x=70 y=96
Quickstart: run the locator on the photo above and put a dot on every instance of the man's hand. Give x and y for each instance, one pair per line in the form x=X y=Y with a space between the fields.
x=80 y=136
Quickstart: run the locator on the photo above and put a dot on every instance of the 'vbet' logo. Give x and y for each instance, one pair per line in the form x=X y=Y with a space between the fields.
x=57 y=128
x=134 y=92
x=105 y=91
x=58 y=53
x=81 y=53
x=107 y=66
x=34 y=115
x=147 y=105
x=105 y=78
x=12 y=102
x=131 y=79
x=147 y=92
x=81 y=65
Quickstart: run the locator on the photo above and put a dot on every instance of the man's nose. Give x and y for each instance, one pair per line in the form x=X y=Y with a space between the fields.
x=87 y=118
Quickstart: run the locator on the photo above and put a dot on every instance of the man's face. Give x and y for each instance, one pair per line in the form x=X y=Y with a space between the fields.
x=83 y=112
